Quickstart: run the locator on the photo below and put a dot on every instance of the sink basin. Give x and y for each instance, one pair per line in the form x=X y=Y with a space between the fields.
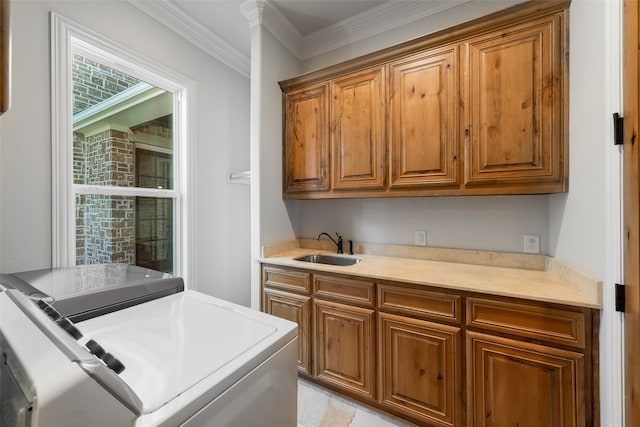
x=328 y=259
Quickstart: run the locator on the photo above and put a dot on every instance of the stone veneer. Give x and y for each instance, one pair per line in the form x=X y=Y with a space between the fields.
x=105 y=225
x=94 y=82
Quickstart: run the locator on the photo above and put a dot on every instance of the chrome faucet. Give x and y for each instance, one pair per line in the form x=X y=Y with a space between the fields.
x=338 y=243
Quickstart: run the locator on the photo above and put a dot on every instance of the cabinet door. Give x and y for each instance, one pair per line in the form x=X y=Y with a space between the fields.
x=513 y=383
x=421 y=369
x=514 y=89
x=296 y=308
x=358 y=123
x=423 y=138
x=344 y=346
x=306 y=153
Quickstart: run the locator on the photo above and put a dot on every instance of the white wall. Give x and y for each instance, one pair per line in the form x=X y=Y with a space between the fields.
x=221 y=136
x=495 y=223
x=277 y=64
x=577 y=219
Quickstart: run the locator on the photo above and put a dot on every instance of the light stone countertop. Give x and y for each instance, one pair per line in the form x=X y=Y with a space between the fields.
x=550 y=281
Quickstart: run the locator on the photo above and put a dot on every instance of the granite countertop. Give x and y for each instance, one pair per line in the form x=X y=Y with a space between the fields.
x=540 y=279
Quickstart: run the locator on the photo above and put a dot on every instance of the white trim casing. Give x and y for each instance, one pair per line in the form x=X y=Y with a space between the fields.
x=254 y=164
x=61 y=131
x=612 y=322
x=66 y=36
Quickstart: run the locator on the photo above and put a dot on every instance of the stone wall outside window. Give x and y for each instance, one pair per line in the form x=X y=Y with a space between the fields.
x=105 y=225
x=94 y=82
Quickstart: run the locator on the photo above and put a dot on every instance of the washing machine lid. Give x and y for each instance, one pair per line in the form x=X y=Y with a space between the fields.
x=171 y=344
x=93 y=287
x=65 y=282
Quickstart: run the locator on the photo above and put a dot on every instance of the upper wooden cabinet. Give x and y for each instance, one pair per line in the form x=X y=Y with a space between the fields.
x=306 y=154
x=357 y=130
x=479 y=108
x=513 y=86
x=422 y=135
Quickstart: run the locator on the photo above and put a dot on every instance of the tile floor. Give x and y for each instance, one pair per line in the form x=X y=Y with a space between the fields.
x=318 y=407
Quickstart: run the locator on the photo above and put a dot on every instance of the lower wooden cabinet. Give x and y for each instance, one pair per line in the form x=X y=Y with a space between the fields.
x=420 y=365
x=440 y=357
x=296 y=308
x=344 y=346
x=513 y=383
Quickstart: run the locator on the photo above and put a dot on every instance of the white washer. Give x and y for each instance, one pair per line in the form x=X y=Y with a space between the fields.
x=189 y=359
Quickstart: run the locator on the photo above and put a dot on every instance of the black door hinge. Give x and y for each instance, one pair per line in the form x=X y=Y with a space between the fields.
x=620 y=300
x=618 y=129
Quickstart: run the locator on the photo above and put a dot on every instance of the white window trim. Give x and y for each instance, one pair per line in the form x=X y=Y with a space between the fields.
x=68 y=37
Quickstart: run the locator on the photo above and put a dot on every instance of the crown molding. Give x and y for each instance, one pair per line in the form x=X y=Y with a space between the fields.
x=377 y=20
x=173 y=17
x=263 y=12
x=253 y=11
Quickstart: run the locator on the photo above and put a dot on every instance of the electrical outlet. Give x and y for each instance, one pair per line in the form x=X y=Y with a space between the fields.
x=531 y=244
x=420 y=238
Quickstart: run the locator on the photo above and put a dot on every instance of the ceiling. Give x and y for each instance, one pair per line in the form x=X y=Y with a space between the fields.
x=306 y=27
x=309 y=16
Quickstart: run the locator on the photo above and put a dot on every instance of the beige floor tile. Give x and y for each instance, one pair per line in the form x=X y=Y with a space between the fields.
x=318 y=407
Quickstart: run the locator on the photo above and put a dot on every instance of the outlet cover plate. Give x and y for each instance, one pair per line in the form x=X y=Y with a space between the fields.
x=420 y=238
x=531 y=244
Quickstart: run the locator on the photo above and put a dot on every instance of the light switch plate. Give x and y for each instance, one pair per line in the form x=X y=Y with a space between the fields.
x=531 y=244
x=420 y=238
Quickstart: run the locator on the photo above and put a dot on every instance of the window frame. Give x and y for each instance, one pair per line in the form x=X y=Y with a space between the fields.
x=67 y=38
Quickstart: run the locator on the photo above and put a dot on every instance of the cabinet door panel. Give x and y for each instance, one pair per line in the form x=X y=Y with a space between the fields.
x=306 y=139
x=513 y=100
x=515 y=383
x=420 y=366
x=296 y=308
x=358 y=125
x=423 y=140
x=344 y=346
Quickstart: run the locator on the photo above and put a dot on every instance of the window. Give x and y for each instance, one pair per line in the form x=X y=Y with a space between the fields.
x=120 y=181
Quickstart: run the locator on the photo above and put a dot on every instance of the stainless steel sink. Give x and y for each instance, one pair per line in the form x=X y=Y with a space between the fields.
x=328 y=259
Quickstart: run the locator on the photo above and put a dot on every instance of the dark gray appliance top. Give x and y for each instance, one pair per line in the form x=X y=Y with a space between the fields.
x=84 y=288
